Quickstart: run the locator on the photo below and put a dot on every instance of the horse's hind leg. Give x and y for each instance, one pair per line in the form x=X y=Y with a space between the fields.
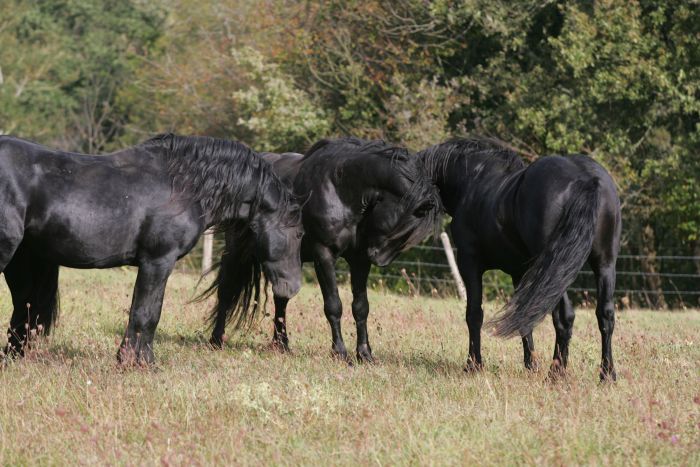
x=605 y=312
x=137 y=346
x=359 y=272
x=563 y=317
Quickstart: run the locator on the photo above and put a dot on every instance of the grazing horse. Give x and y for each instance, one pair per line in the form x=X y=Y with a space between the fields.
x=539 y=223
x=145 y=206
x=367 y=202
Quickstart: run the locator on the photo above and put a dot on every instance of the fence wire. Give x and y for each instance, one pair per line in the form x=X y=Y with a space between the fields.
x=678 y=277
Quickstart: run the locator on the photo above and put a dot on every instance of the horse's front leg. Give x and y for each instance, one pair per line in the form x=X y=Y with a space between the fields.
x=280 y=339
x=471 y=273
x=324 y=263
x=359 y=271
x=137 y=345
x=563 y=318
x=224 y=300
x=34 y=288
x=529 y=358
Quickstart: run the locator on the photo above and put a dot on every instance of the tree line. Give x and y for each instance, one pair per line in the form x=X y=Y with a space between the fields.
x=616 y=79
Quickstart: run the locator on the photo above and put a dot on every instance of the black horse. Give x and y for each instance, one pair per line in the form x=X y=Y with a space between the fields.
x=539 y=223
x=368 y=201
x=144 y=206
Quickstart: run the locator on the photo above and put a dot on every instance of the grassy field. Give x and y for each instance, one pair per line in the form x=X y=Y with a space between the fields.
x=68 y=401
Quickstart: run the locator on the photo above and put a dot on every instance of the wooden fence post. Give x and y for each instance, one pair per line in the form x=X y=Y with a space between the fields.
x=207 y=250
x=453 y=265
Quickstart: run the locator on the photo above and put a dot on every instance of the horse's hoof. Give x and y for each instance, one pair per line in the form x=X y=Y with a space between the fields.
x=342 y=355
x=608 y=376
x=146 y=357
x=12 y=352
x=217 y=342
x=473 y=367
x=364 y=354
x=128 y=357
x=533 y=366
x=279 y=346
x=557 y=371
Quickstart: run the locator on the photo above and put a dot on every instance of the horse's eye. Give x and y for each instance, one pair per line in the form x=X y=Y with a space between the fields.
x=424 y=208
x=300 y=234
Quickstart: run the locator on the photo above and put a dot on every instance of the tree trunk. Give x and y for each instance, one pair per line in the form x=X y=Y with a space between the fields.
x=655 y=297
x=207 y=250
x=453 y=265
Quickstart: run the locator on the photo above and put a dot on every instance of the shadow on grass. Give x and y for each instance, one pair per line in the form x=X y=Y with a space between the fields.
x=430 y=363
x=199 y=339
x=51 y=353
x=162 y=336
x=70 y=351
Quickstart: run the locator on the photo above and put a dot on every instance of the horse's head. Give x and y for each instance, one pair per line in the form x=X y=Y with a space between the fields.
x=401 y=212
x=374 y=189
x=278 y=231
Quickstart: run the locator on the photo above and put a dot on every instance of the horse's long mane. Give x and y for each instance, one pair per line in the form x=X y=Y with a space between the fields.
x=218 y=173
x=406 y=165
x=437 y=158
x=401 y=159
x=379 y=147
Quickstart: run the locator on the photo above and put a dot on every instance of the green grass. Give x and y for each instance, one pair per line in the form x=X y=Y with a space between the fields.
x=68 y=401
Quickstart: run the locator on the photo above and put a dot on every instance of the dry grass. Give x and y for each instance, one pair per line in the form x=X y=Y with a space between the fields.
x=69 y=402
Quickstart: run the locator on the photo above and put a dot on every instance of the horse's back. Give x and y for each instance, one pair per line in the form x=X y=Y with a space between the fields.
x=88 y=211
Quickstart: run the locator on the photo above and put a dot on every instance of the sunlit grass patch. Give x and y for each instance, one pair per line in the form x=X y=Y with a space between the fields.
x=68 y=401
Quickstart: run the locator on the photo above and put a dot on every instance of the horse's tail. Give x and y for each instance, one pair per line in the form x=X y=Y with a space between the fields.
x=556 y=267
x=237 y=284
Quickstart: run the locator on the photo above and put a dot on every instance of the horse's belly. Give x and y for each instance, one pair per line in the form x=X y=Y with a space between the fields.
x=88 y=241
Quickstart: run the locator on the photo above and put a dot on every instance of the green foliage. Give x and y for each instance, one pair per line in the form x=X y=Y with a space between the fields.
x=64 y=62
x=616 y=79
x=619 y=81
x=278 y=115
x=418 y=113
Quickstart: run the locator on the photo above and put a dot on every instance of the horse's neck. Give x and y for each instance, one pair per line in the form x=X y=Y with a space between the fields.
x=224 y=204
x=381 y=173
x=471 y=178
x=452 y=181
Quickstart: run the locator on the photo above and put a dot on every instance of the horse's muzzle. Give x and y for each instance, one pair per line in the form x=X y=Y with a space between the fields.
x=380 y=258
x=286 y=289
